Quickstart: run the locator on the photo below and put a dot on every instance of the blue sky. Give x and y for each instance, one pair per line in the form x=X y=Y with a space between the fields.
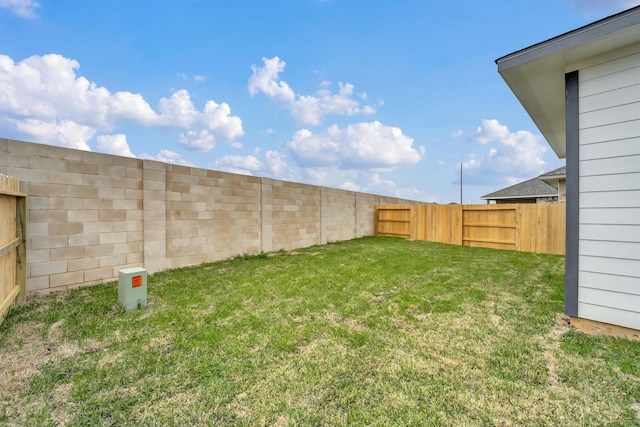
x=387 y=97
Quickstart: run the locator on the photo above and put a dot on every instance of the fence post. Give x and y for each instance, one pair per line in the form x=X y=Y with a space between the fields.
x=413 y=222
x=518 y=223
x=21 y=250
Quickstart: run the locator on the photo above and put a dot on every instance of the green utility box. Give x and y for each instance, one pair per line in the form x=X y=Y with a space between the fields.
x=132 y=288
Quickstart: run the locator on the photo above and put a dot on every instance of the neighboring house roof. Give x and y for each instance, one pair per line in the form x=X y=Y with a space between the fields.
x=536 y=74
x=554 y=176
x=529 y=189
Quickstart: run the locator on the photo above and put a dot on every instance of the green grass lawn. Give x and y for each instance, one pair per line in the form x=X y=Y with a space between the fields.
x=373 y=331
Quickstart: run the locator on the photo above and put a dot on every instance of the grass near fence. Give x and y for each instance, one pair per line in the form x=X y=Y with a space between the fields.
x=374 y=331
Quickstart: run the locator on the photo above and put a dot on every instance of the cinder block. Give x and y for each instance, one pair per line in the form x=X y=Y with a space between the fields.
x=98 y=158
x=153 y=165
x=29 y=148
x=68 y=253
x=47 y=163
x=97 y=204
x=47 y=189
x=82 y=264
x=85 y=239
x=97 y=181
x=127 y=183
x=47 y=268
x=154 y=185
x=134 y=215
x=38 y=255
x=111 y=260
x=153 y=175
x=114 y=171
x=125 y=225
x=83 y=168
x=83 y=192
x=97 y=274
x=37 y=283
x=65 y=229
x=127 y=162
x=66 y=279
x=27 y=175
x=79 y=215
x=65 y=203
x=112 y=215
x=135 y=258
x=46 y=242
x=98 y=250
x=118 y=237
x=96 y=227
x=110 y=193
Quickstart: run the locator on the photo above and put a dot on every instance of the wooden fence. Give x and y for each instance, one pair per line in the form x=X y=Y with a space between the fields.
x=522 y=227
x=13 y=249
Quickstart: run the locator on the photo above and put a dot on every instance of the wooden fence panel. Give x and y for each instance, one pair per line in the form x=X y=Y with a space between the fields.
x=393 y=220
x=523 y=227
x=490 y=226
x=13 y=259
x=443 y=223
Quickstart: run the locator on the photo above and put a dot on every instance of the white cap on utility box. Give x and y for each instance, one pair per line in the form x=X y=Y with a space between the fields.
x=132 y=288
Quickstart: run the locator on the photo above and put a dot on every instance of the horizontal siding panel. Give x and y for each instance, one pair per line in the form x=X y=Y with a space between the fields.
x=607 y=149
x=628 y=302
x=627 y=250
x=616 y=266
x=626 y=181
x=614 y=199
x=623 y=64
x=622 y=284
x=612 y=165
x=628 y=319
x=615 y=233
x=611 y=98
x=622 y=216
x=617 y=114
x=611 y=132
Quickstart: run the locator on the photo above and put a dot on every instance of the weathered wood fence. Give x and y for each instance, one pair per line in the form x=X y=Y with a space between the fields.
x=13 y=249
x=523 y=227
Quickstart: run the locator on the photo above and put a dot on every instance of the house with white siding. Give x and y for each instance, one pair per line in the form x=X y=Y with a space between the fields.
x=582 y=90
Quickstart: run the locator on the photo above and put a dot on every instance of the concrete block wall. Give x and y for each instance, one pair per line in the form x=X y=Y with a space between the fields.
x=295 y=215
x=84 y=213
x=91 y=215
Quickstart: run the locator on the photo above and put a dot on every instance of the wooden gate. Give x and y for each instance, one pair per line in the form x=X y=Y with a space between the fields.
x=13 y=248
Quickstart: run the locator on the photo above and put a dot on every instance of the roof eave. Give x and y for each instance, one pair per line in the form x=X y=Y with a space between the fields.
x=536 y=74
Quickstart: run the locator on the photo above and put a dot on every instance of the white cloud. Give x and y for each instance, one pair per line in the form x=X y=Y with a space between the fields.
x=276 y=165
x=350 y=185
x=511 y=156
x=371 y=146
x=307 y=109
x=63 y=133
x=23 y=8
x=458 y=133
x=245 y=165
x=267 y=80
x=167 y=156
x=46 y=90
x=114 y=144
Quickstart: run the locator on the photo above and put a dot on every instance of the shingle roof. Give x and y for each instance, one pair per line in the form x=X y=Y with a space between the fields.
x=533 y=187
x=555 y=174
